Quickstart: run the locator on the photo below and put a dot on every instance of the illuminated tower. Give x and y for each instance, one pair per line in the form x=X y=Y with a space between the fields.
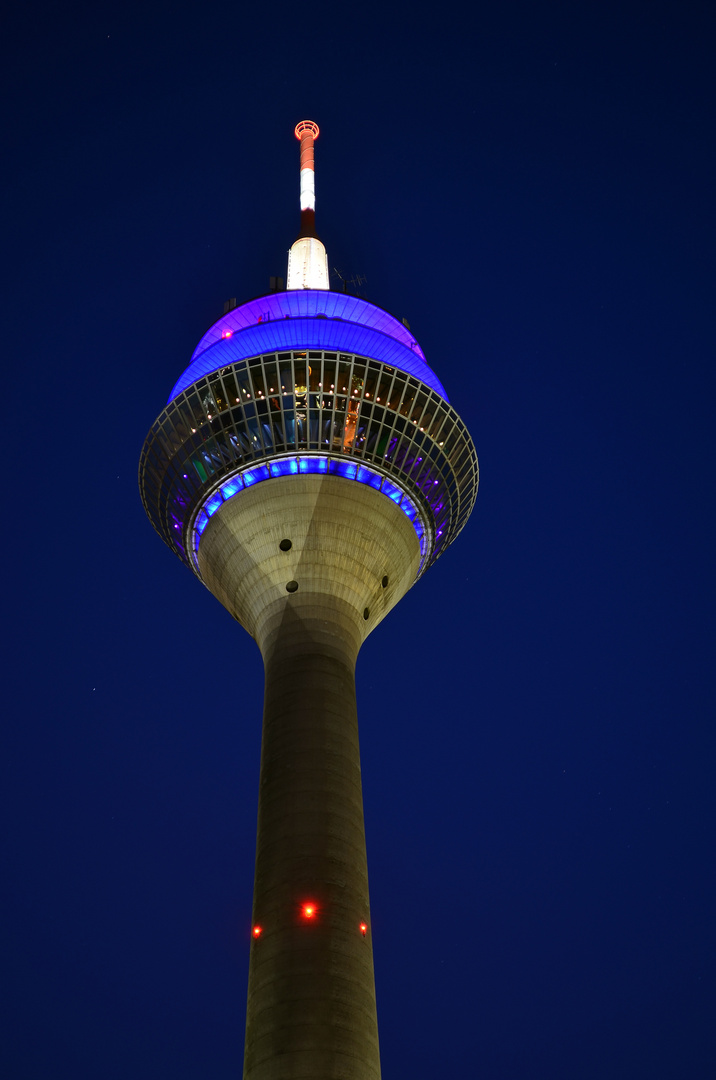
x=309 y=469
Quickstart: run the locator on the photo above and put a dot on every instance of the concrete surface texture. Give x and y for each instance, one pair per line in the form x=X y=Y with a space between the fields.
x=353 y=554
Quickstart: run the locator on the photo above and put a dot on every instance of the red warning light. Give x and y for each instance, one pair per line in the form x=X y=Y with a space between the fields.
x=309 y=911
x=257 y=931
x=363 y=929
x=226 y=333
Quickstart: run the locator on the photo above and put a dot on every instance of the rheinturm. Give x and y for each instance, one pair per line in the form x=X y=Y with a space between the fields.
x=308 y=469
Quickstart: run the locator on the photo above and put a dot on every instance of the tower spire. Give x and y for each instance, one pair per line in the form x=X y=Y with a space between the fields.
x=307 y=259
x=307 y=132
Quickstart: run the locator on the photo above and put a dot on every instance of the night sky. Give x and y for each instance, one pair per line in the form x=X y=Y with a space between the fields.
x=531 y=186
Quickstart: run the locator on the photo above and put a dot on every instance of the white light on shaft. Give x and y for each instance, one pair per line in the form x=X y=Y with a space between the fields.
x=308 y=190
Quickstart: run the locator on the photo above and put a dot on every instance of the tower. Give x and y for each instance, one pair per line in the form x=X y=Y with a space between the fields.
x=308 y=468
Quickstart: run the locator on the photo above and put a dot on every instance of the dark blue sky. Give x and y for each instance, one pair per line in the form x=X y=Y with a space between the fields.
x=531 y=185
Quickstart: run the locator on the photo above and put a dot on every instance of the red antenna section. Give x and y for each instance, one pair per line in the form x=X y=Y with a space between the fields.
x=307 y=126
x=307 y=132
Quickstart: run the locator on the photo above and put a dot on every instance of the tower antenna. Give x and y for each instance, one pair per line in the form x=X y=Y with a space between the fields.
x=307 y=259
x=307 y=133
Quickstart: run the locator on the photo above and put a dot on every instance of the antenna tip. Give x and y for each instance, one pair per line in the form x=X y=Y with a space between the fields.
x=306 y=126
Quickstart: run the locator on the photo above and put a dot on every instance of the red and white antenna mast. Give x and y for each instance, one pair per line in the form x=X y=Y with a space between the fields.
x=307 y=259
x=307 y=132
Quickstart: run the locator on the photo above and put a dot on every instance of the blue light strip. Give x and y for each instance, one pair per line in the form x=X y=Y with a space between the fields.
x=315 y=463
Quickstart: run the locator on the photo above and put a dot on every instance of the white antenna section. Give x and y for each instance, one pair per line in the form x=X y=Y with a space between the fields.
x=307 y=264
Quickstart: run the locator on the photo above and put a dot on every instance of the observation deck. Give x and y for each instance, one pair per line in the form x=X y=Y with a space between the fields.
x=308 y=382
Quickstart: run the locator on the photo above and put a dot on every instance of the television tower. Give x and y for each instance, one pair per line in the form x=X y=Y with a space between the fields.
x=308 y=468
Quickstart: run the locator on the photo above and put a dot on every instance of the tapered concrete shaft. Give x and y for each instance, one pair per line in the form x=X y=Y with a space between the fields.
x=311 y=1005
